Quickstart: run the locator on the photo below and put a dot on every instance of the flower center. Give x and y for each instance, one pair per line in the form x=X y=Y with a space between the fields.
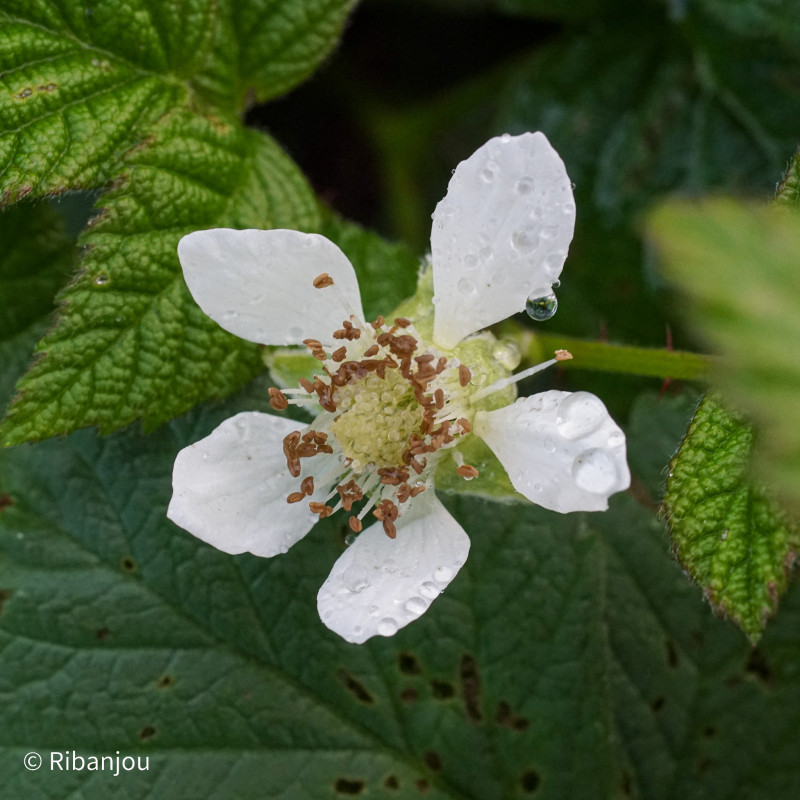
x=378 y=417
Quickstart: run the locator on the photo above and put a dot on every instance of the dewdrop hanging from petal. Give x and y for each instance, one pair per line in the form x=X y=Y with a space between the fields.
x=392 y=398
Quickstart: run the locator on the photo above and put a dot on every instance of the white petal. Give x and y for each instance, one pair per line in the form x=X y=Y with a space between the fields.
x=378 y=585
x=259 y=284
x=501 y=234
x=230 y=488
x=561 y=450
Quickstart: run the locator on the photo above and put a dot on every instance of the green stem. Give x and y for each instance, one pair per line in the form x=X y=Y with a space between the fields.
x=605 y=357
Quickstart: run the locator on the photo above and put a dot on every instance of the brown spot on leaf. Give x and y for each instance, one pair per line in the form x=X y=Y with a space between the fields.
x=626 y=786
x=129 y=564
x=709 y=731
x=166 y=682
x=5 y=594
x=530 y=781
x=5 y=502
x=346 y=786
x=672 y=654
x=471 y=686
x=442 y=690
x=409 y=695
x=355 y=687
x=506 y=717
x=757 y=665
x=147 y=733
x=408 y=664
x=433 y=760
x=658 y=703
x=422 y=785
x=391 y=782
x=103 y=634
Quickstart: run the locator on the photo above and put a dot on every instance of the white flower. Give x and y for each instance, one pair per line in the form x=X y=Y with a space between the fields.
x=396 y=397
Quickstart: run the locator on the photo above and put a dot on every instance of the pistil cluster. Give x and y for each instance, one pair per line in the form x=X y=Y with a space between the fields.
x=390 y=405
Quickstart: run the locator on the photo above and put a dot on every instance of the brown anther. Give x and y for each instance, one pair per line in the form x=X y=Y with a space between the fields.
x=465 y=425
x=312 y=344
x=321 y=509
x=416 y=465
x=438 y=398
x=402 y=322
x=418 y=490
x=320 y=437
x=387 y=512
x=403 y=492
x=467 y=471
x=464 y=375
x=425 y=358
x=306 y=384
x=307 y=485
x=403 y=345
x=290 y=443
x=441 y=365
x=355 y=524
x=277 y=399
x=295 y=497
x=340 y=354
x=563 y=355
x=378 y=323
x=393 y=476
x=322 y=281
x=350 y=331
x=371 y=351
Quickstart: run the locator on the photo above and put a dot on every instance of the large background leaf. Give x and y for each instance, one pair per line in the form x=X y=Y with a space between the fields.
x=568 y=659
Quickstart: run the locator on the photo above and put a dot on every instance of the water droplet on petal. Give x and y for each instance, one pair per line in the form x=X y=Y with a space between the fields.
x=506 y=354
x=487 y=176
x=390 y=566
x=443 y=574
x=541 y=307
x=549 y=444
x=465 y=286
x=416 y=605
x=537 y=487
x=615 y=438
x=594 y=472
x=525 y=239
x=470 y=261
x=524 y=185
x=429 y=590
x=355 y=578
x=349 y=539
x=580 y=414
x=387 y=627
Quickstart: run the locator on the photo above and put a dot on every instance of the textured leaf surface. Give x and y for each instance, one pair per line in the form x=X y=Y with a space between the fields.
x=36 y=255
x=81 y=83
x=568 y=659
x=130 y=341
x=269 y=47
x=739 y=266
x=728 y=535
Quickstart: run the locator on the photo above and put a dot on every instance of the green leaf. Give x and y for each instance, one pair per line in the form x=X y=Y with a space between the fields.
x=130 y=342
x=35 y=258
x=727 y=533
x=739 y=267
x=788 y=193
x=83 y=83
x=568 y=659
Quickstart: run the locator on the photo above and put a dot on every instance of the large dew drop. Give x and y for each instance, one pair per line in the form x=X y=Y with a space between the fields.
x=541 y=307
x=580 y=414
x=356 y=578
x=387 y=627
x=594 y=471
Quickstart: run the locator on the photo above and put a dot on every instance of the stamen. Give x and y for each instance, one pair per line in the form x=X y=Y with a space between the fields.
x=467 y=472
x=307 y=485
x=355 y=524
x=295 y=497
x=464 y=375
x=563 y=355
x=321 y=509
x=322 y=281
x=402 y=322
x=277 y=399
x=503 y=382
x=339 y=355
